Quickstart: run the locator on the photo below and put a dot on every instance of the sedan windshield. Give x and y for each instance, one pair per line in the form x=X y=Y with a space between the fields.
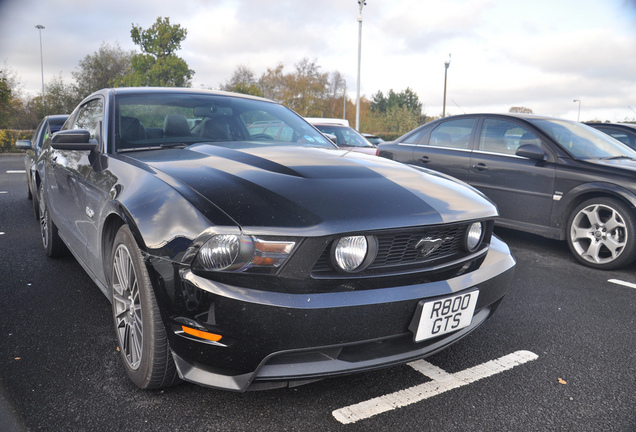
x=155 y=120
x=584 y=142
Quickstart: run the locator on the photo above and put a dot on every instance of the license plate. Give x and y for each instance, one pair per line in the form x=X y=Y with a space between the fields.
x=446 y=315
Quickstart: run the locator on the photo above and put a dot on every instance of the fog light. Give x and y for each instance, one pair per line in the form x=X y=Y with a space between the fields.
x=350 y=252
x=474 y=235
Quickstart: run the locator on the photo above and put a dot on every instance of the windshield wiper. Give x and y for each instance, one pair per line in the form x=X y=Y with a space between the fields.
x=177 y=144
x=617 y=157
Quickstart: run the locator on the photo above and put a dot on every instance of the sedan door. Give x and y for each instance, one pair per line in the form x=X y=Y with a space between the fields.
x=522 y=188
x=446 y=147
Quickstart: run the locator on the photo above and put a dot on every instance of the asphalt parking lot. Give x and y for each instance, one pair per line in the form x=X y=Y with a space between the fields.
x=558 y=355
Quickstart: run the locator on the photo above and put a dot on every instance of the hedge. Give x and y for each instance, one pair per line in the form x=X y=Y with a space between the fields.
x=8 y=137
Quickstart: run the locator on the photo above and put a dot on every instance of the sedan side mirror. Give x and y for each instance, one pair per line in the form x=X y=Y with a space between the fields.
x=73 y=139
x=532 y=151
x=23 y=145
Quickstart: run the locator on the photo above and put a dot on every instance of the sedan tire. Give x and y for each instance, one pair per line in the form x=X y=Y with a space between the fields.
x=54 y=247
x=602 y=234
x=140 y=333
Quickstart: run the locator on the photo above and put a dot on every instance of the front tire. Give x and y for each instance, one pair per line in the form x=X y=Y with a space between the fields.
x=143 y=343
x=602 y=234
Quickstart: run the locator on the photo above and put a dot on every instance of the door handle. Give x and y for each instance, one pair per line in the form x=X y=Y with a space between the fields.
x=480 y=167
x=425 y=159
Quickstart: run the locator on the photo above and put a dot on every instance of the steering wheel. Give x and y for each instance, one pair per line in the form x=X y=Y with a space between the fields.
x=261 y=136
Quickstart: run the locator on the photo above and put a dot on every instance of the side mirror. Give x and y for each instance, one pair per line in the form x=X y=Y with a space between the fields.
x=331 y=137
x=23 y=145
x=73 y=139
x=532 y=151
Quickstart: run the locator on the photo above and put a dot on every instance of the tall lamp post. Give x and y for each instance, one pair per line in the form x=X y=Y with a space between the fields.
x=362 y=3
x=40 y=27
x=344 y=99
x=578 y=118
x=446 y=65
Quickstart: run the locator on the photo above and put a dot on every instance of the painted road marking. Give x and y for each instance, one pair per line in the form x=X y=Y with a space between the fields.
x=623 y=283
x=442 y=381
x=16 y=172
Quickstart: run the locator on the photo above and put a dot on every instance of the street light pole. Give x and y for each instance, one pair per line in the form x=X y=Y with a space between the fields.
x=362 y=3
x=578 y=118
x=446 y=65
x=344 y=99
x=40 y=27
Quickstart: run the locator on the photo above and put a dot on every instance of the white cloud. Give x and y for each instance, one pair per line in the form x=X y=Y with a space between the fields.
x=541 y=54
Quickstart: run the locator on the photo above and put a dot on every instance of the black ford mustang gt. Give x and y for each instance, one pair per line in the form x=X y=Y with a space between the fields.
x=233 y=260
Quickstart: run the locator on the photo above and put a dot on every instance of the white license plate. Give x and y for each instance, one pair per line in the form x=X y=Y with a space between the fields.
x=446 y=315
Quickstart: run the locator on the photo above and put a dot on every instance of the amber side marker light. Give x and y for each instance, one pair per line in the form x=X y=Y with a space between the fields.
x=201 y=334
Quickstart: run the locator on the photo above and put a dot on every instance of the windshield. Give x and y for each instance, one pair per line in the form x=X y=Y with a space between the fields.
x=345 y=136
x=155 y=120
x=584 y=142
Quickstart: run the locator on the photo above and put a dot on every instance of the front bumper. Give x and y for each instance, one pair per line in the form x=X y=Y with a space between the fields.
x=272 y=339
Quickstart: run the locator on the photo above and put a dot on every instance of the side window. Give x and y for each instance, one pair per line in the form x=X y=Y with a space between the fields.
x=453 y=134
x=417 y=137
x=503 y=136
x=89 y=116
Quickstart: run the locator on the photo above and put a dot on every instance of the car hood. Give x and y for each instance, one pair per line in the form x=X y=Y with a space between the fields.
x=317 y=189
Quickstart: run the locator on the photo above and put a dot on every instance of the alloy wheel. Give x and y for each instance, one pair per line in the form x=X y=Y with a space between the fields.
x=598 y=233
x=127 y=307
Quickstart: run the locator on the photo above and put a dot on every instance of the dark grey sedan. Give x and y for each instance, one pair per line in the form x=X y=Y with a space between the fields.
x=624 y=132
x=48 y=126
x=556 y=178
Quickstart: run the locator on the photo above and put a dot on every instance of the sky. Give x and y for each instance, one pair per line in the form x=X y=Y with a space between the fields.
x=540 y=54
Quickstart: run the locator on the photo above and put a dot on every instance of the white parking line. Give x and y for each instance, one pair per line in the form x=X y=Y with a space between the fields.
x=623 y=283
x=441 y=382
x=16 y=172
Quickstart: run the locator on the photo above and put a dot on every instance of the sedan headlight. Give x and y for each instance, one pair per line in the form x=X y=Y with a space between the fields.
x=230 y=252
x=474 y=236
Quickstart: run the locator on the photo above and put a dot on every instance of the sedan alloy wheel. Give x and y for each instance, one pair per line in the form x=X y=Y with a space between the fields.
x=601 y=233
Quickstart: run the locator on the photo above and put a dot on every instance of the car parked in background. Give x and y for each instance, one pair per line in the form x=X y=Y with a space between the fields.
x=235 y=260
x=346 y=136
x=48 y=126
x=556 y=178
x=624 y=132
x=373 y=139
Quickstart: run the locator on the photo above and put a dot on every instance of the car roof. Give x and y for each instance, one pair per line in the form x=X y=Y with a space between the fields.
x=175 y=90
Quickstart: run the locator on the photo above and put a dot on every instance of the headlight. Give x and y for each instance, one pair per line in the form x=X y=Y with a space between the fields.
x=354 y=253
x=229 y=252
x=220 y=252
x=474 y=236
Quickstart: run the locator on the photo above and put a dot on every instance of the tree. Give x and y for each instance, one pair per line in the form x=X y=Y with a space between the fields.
x=304 y=91
x=61 y=98
x=522 y=110
x=243 y=81
x=6 y=100
x=158 y=65
x=101 y=69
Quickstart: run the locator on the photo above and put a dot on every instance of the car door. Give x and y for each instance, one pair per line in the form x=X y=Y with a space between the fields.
x=522 y=188
x=69 y=170
x=445 y=147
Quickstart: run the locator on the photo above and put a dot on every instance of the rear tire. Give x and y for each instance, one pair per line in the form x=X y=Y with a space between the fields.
x=602 y=234
x=143 y=343
x=54 y=247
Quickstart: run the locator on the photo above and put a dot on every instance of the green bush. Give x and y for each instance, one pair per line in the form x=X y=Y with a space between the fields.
x=8 y=137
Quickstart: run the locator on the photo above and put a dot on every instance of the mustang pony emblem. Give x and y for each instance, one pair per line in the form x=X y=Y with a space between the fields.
x=427 y=245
